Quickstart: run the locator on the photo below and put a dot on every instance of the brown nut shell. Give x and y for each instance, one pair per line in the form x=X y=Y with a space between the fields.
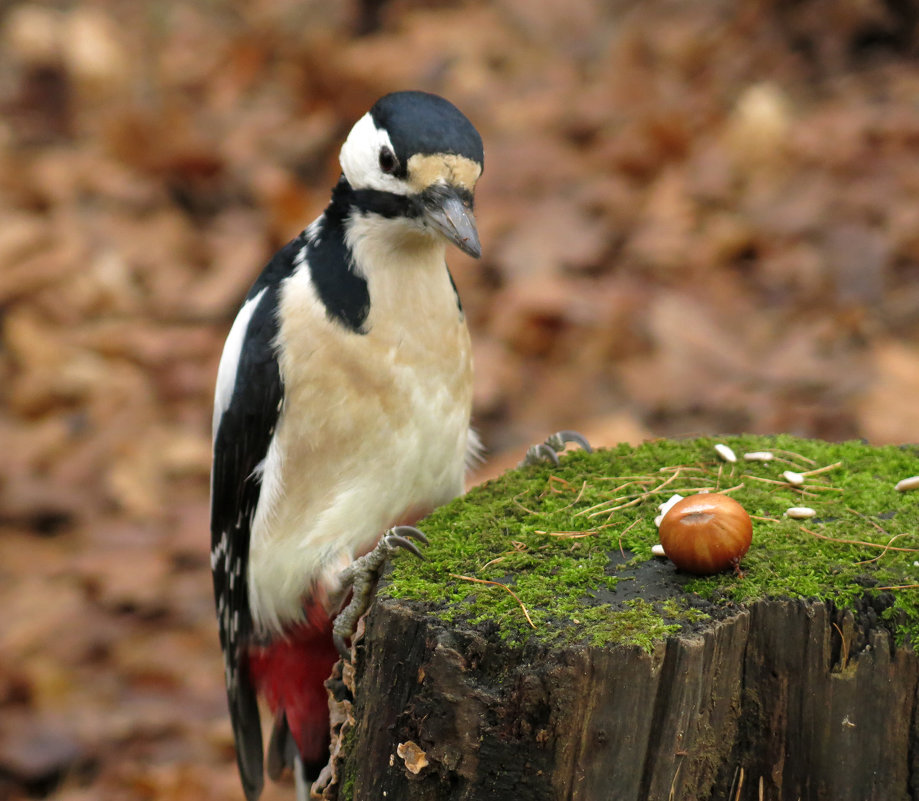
x=706 y=533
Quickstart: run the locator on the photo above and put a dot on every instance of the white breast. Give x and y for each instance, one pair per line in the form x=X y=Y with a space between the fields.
x=374 y=428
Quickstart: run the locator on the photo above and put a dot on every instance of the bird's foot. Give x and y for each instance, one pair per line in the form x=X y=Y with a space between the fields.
x=362 y=576
x=555 y=443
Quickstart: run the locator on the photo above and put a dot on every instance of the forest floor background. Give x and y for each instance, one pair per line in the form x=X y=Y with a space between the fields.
x=696 y=218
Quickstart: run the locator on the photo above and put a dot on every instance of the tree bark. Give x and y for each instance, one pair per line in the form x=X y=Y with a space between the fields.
x=783 y=700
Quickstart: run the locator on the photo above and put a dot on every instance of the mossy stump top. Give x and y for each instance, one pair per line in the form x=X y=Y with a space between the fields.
x=542 y=649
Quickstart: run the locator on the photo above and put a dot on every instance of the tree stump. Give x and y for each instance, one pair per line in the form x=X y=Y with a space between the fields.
x=744 y=689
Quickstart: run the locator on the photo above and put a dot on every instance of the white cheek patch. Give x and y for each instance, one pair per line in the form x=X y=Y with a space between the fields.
x=360 y=158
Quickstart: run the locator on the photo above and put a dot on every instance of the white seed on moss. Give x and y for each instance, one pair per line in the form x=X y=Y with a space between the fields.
x=906 y=484
x=673 y=500
x=800 y=512
x=665 y=507
x=793 y=478
x=725 y=453
x=759 y=456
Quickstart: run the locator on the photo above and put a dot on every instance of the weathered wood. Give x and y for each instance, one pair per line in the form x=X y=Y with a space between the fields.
x=753 y=698
x=823 y=719
x=786 y=700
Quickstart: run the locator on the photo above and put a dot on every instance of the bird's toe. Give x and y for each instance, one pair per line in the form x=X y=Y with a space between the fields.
x=554 y=444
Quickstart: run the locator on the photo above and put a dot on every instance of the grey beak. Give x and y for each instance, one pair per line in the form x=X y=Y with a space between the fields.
x=446 y=210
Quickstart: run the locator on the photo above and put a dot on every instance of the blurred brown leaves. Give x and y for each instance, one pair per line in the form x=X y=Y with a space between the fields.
x=695 y=218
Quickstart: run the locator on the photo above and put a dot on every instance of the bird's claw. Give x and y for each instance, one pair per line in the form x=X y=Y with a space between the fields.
x=541 y=453
x=341 y=646
x=399 y=536
x=555 y=443
x=559 y=439
x=362 y=576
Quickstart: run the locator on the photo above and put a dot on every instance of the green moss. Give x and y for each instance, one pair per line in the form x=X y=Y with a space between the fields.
x=584 y=570
x=346 y=791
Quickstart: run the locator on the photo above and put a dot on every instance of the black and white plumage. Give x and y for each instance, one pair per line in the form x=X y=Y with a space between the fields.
x=342 y=409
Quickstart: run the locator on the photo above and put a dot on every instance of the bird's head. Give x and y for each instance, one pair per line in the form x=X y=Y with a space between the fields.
x=415 y=158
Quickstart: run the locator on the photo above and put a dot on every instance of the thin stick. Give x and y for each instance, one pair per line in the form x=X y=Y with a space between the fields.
x=792 y=453
x=528 y=511
x=676 y=474
x=672 y=794
x=733 y=782
x=568 y=535
x=799 y=490
x=625 y=531
x=629 y=479
x=518 y=547
x=739 y=785
x=821 y=469
x=609 y=512
x=558 y=480
x=867 y=519
x=681 y=468
x=886 y=547
x=504 y=587
x=844 y=651
x=765 y=480
x=604 y=503
x=579 y=496
x=787 y=461
x=642 y=497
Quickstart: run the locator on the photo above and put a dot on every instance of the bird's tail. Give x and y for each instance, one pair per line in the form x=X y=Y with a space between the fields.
x=283 y=753
x=301 y=783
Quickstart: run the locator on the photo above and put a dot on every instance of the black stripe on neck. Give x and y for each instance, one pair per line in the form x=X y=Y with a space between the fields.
x=343 y=292
x=387 y=204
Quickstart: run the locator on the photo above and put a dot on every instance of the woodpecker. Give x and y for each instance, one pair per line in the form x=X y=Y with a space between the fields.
x=341 y=414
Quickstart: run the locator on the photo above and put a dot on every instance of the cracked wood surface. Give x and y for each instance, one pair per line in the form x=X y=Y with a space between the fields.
x=784 y=700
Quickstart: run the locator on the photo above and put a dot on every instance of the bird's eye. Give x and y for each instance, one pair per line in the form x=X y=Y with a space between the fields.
x=387 y=161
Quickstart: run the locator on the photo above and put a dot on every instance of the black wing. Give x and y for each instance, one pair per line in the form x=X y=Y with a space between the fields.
x=243 y=434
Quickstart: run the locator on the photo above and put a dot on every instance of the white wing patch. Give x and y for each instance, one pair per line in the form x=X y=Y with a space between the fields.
x=229 y=359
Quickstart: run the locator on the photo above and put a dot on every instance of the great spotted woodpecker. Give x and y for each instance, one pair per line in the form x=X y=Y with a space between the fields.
x=342 y=410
